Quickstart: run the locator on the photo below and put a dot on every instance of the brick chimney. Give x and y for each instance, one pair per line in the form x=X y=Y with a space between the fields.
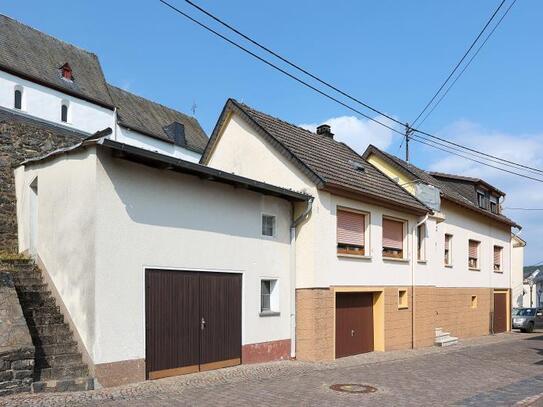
x=325 y=130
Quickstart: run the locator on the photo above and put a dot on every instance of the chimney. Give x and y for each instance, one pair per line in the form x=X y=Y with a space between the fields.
x=325 y=130
x=176 y=132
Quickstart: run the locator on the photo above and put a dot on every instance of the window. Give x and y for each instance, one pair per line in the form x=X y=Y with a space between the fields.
x=269 y=297
x=351 y=231
x=494 y=204
x=402 y=299
x=473 y=301
x=448 y=249
x=498 y=258
x=18 y=99
x=393 y=233
x=473 y=255
x=481 y=200
x=421 y=235
x=268 y=225
x=64 y=112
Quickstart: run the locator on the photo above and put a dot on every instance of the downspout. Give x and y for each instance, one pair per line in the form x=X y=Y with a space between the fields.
x=115 y=124
x=413 y=289
x=293 y=226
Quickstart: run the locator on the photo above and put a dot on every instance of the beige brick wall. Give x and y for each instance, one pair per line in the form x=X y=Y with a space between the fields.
x=315 y=324
x=398 y=322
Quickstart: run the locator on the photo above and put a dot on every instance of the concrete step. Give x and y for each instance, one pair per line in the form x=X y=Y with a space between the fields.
x=38 y=311
x=32 y=288
x=62 y=372
x=57 y=349
x=51 y=329
x=442 y=334
x=36 y=302
x=45 y=319
x=58 y=339
x=62 y=360
x=31 y=296
x=75 y=384
x=446 y=341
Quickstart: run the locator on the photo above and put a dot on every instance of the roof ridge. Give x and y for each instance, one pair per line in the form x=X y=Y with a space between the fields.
x=49 y=35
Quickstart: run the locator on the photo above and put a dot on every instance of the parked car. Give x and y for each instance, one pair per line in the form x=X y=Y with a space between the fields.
x=527 y=319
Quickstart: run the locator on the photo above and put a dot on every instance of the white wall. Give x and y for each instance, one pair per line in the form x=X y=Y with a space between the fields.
x=137 y=139
x=45 y=103
x=66 y=230
x=517 y=272
x=160 y=219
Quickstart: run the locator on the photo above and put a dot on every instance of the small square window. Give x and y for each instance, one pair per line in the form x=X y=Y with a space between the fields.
x=268 y=225
x=473 y=301
x=269 y=298
x=402 y=299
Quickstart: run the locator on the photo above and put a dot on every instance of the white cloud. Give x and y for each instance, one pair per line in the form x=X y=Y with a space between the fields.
x=357 y=133
x=526 y=149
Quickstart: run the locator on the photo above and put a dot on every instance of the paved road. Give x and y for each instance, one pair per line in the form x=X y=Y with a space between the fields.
x=502 y=370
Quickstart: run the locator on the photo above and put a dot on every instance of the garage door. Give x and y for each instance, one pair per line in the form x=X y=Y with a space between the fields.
x=354 y=323
x=500 y=312
x=193 y=321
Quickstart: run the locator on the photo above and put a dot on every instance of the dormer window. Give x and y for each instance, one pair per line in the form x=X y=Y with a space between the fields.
x=494 y=208
x=481 y=200
x=66 y=72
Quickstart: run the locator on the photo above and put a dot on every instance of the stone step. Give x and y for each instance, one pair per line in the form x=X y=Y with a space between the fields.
x=17 y=263
x=21 y=281
x=30 y=296
x=446 y=341
x=442 y=334
x=62 y=372
x=38 y=311
x=52 y=329
x=77 y=384
x=32 y=288
x=21 y=274
x=37 y=303
x=62 y=360
x=57 y=349
x=58 y=339
x=36 y=319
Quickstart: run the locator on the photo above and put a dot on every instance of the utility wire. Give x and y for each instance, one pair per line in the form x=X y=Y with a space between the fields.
x=278 y=68
x=306 y=84
x=468 y=64
x=479 y=162
x=459 y=62
x=524 y=209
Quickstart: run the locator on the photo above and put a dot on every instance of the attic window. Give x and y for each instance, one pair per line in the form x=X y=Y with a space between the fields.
x=66 y=72
x=357 y=165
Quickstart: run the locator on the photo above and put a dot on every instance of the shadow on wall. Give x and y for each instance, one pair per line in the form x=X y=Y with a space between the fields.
x=165 y=198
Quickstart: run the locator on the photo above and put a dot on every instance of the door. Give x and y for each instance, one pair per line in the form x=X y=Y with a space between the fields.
x=354 y=323
x=500 y=312
x=193 y=321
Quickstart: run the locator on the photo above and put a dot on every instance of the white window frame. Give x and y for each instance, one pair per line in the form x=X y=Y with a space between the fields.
x=405 y=241
x=478 y=266
x=274 y=309
x=450 y=263
x=23 y=105
x=68 y=112
x=274 y=226
x=367 y=237
x=500 y=270
x=424 y=228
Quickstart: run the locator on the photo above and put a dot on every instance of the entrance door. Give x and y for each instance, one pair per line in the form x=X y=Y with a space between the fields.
x=354 y=323
x=500 y=312
x=193 y=321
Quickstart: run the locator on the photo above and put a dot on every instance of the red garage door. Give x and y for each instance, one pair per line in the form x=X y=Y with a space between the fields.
x=500 y=312
x=354 y=323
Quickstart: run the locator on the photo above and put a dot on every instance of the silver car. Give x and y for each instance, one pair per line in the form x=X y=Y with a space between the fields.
x=527 y=319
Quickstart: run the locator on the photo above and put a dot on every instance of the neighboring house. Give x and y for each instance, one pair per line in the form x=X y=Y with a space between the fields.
x=57 y=82
x=533 y=287
x=517 y=268
x=376 y=268
x=163 y=266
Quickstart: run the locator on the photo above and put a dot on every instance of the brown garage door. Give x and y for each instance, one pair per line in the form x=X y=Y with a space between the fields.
x=354 y=323
x=500 y=312
x=193 y=321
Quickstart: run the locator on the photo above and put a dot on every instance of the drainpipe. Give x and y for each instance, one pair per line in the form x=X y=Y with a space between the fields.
x=413 y=289
x=293 y=226
x=115 y=124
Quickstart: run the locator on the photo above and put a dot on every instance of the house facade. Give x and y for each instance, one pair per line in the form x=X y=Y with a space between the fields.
x=372 y=244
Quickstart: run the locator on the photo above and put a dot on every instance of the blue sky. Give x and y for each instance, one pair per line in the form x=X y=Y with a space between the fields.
x=392 y=54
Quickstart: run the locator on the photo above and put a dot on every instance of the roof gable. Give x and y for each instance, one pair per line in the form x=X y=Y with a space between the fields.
x=38 y=57
x=329 y=163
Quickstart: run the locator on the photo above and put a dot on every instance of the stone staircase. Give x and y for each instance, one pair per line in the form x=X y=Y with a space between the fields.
x=58 y=364
x=444 y=338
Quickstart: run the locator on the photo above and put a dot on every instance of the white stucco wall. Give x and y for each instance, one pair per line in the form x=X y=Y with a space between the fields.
x=140 y=140
x=240 y=149
x=66 y=208
x=45 y=103
x=517 y=272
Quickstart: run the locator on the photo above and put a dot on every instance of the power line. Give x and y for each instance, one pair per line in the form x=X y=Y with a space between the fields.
x=460 y=62
x=524 y=209
x=277 y=67
x=468 y=64
x=306 y=84
x=479 y=162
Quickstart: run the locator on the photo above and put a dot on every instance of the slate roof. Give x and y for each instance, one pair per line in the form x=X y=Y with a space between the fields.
x=150 y=118
x=461 y=179
x=329 y=163
x=36 y=56
x=456 y=192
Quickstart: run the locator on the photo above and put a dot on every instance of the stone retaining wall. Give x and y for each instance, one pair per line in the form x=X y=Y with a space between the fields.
x=16 y=348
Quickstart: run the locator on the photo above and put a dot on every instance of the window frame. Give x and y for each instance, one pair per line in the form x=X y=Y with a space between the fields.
x=65 y=104
x=18 y=90
x=421 y=251
x=273 y=297
x=403 y=299
x=403 y=252
x=350 y=252
x=448 y=263
x=474 y=302
x=477 y=266
x=274 y=225
x=500 y=269
x=481 y=202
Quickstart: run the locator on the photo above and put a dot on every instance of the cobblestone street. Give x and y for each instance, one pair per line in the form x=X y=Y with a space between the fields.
x=504 y=370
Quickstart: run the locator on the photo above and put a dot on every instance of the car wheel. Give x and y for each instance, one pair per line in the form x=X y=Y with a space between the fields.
x=522 y=330
x=530 y=328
